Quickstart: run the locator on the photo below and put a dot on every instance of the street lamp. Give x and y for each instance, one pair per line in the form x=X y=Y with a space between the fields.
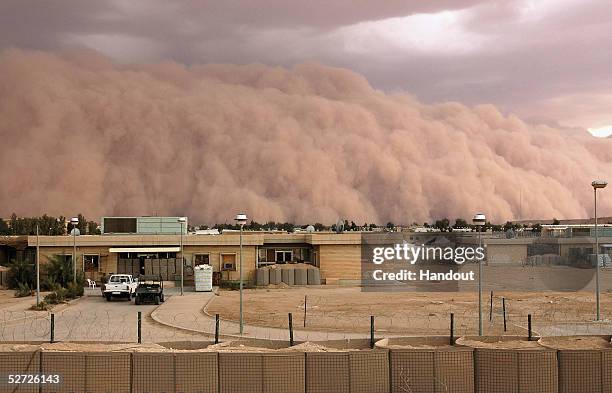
x=182 y=220
x=597 y=184
x=37 y=266
x=479 y=220
x=241 y=219
x=74 y=221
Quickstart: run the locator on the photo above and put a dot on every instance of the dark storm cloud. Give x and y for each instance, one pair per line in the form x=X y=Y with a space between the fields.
x=541 y=59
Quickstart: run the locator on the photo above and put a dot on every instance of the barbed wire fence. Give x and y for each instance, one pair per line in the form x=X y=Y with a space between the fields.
x=316 y=318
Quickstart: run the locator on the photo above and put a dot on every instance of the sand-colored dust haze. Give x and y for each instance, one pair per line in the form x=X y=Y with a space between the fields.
x=311 y=143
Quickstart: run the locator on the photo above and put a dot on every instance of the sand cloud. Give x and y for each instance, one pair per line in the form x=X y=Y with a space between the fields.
x=310 y=143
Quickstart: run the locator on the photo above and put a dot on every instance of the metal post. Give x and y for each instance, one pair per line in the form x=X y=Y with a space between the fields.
x=480 y=326
x=182 y=260
x=305 y=299
x=290 y=330
x=139 y=327
x=529 y=326
x=52 y=329
x=216 y=328
x=241 y=315
x=37 y=266
x=371 y=331
x=452 y=329
x=491 y=308
x=596 y=258
x=74 y=262
x=504 y=311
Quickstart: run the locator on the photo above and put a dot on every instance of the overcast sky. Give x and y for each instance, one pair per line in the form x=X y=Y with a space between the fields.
x=545 y=60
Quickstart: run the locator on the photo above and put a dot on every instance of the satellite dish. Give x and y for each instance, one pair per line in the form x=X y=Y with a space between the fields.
x=310 y=229
x=75 y=232
x=340 y=226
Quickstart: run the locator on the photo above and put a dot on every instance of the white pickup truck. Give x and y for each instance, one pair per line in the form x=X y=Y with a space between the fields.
x=120 y=285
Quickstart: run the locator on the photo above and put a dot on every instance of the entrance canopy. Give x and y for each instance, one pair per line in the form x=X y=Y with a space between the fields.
x=144 y=249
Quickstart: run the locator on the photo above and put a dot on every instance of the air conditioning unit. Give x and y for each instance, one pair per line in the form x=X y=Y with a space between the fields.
x=229 y=266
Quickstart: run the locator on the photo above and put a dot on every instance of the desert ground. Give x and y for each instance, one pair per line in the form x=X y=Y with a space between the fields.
x=413 y=312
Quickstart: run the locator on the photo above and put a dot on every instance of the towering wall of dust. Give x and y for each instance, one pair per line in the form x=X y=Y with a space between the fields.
x=311 y=143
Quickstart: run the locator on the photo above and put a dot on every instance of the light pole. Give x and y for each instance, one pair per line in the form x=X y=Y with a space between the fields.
x=37 y=266
x=479 y=220
x=182 y=220
x=597 y=184
x=241 y=219
x=74 y=221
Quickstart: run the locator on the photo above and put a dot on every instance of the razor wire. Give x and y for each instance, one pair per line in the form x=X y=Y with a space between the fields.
x=324 y=321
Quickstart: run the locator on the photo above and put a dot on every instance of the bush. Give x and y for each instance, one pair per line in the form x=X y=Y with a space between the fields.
x=20 y=272
x=57 y=297
x=59 y=270
x=48 y=284
x=75 y=290
x=234 y=285
x=42 y=306
x=23 y=290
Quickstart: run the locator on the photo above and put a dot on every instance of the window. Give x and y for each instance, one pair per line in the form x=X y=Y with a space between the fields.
x=92 y=263
x=202 y=259
x=284 y=256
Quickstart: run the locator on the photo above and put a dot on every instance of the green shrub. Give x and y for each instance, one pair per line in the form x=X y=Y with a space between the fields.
x=234 y=285
x=48 y=284
x=57 y=297
x=75 y=290
x=59 y=270
x=20 y=272
x=23 y=290
x=42 y=306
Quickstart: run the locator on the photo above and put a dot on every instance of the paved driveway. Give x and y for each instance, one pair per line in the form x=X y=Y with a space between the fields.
x=92 y=318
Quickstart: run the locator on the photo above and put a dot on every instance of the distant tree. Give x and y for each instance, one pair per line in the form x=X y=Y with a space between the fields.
x=460 y=223
x=353 y=226
x=4 y=228
x=443 y=224
x=93 y=228
x=390 y=225
x=556 y=222
x=536 y=228
x=319 y=227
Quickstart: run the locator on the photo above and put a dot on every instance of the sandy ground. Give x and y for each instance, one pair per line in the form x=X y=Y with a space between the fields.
x=337 y=308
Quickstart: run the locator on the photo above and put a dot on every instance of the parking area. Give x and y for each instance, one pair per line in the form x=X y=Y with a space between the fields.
x=90 y=318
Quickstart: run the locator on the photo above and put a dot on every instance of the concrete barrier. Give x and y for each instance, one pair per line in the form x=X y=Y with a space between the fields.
x=275 y=276
x=301 y=277
x=288 y=276
x=263 y=277
x=314 y=276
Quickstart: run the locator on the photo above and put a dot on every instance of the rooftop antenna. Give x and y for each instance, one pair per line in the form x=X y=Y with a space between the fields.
x=520 y=203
